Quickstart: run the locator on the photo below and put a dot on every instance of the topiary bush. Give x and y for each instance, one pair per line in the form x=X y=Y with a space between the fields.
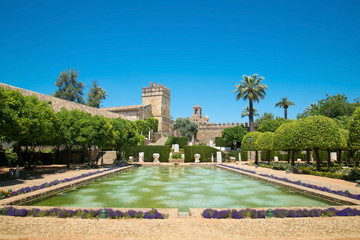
x=204 y=151
x=182 y=141
x=164 y=152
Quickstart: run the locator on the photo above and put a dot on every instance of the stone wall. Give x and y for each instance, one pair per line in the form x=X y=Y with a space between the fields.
x=58 y=103
x=132 y=113
x=209 y=131
x=158 y=96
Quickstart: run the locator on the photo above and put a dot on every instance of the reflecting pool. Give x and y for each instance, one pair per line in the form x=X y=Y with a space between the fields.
x=182 y=188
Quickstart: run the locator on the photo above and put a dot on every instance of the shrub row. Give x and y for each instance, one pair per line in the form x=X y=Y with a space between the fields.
x=182 y=141
x=66 y=213
x=204 y=151
x=164 y=152
x=280 y=213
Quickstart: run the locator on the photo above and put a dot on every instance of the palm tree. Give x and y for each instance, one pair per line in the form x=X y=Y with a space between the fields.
x=284 y=103
x=246 y=112
x=251 y=89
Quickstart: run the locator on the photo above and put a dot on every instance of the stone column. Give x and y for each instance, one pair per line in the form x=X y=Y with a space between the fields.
x=141 y=156
x=176 y=148
x=218 y=157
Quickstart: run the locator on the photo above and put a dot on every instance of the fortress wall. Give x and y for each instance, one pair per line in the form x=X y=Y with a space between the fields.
x=58 y=103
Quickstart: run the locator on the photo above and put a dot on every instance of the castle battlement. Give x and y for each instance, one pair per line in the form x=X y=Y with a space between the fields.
x=222 y=125
x=154 y=89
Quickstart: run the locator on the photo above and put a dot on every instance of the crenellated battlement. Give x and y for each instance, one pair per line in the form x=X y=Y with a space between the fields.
x=154 y=89
x=223 y=125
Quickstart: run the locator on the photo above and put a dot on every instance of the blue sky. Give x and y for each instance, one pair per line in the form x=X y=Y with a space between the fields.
x=199 y=49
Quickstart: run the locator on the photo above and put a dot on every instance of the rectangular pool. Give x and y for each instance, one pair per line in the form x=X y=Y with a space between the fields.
x=180 y=187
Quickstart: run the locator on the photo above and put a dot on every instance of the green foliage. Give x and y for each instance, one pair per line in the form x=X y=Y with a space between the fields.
x=264 y=117
x=245 y=145
x=233 y=134
x=265 y=141
x=164 y=152
x=182 y=141
x=220 y=142
x=332 y=106
x=204 y=151
x=185 y=128
x=69 y=87
x=153 y=123
x=246 y=112
x=95 y=95
x=285 y=137
x=285 y=104
x=253 y=90
x=102 y=132
x=354 y=127
x=272 y=124
x=176 y=156
x=142 y=127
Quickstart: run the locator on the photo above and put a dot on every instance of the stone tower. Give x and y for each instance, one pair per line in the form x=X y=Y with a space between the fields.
x=159 y=98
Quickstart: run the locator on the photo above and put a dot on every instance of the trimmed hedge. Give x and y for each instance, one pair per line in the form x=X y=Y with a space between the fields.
x=182 y=141
x=220 y=142
x=204 y=151
x=164 y=152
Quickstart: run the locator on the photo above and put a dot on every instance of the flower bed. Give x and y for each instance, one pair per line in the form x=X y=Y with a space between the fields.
x=279 y=213
x=80 y=213
x=324 y=189
x=49 y=184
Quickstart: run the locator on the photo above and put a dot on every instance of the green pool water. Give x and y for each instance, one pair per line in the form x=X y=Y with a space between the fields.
x=182 y=188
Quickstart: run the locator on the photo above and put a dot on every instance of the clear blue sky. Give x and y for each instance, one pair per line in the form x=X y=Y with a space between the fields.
x=199 y=49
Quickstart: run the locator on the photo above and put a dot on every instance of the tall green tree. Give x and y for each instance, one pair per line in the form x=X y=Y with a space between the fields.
x=246 y=112
x=265 y=142
x=185 y=128
x=272 y=124
x=285 y=139
x=316 y=133
x=253 y=90
x=102 y=133
x=75 y=128
x=233 y=134
x=245 y=143
x=264 y=117
x=284 y=103
x=153 y=123
x=354 y=133
x=95 y=95
x=69 y=87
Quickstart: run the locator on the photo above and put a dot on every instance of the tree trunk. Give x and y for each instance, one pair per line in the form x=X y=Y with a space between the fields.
x=285 y=112
x=268 y=156
x=308 y=156
x=339 y=156
x=57 y=152
x=317 y=159
x=256 y=158
x=102 y=157
x=27 y=158
x=69 y=157
x=251 y=115
x=293 y=158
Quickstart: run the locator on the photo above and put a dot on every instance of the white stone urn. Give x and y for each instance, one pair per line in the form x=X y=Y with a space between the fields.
x=131 y=159
x=232 y=159
x=156 y=157
x=197 y=158
x=276 y=158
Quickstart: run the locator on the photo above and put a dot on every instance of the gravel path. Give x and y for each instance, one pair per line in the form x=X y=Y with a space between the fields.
x=290 y=228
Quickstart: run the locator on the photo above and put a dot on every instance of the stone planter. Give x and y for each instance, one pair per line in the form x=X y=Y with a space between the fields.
x=156 y=157
x=176 y=160
x=232 y=159
x=197 y=158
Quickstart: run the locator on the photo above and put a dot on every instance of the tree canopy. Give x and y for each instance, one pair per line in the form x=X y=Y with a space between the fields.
x=185 y=128
x=68 y=86
x=272 y=124
x=265 y=142
x=284 y=103
x=95 y=95
x=354 y=127
x=233 y=134
x=253 y=90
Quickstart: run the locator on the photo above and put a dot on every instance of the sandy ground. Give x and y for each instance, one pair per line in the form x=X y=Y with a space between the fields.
x=182 y=227
x=290 y=228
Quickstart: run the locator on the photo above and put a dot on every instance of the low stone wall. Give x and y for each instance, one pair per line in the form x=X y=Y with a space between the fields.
x=312 y=192
x=49 y=191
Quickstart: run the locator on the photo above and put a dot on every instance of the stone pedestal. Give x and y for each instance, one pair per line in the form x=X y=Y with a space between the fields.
x=131 y=159
x=232 y=159
x=276 y=158
x=141 y=156
x=333 y=156
x=156 y=157
x=218 y=157
x=197 y=158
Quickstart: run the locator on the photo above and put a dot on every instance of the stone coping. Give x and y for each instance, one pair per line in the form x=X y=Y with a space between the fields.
x=313 y=192
x=31 y=196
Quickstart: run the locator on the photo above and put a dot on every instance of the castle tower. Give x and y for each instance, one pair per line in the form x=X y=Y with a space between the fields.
x=159 y=98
